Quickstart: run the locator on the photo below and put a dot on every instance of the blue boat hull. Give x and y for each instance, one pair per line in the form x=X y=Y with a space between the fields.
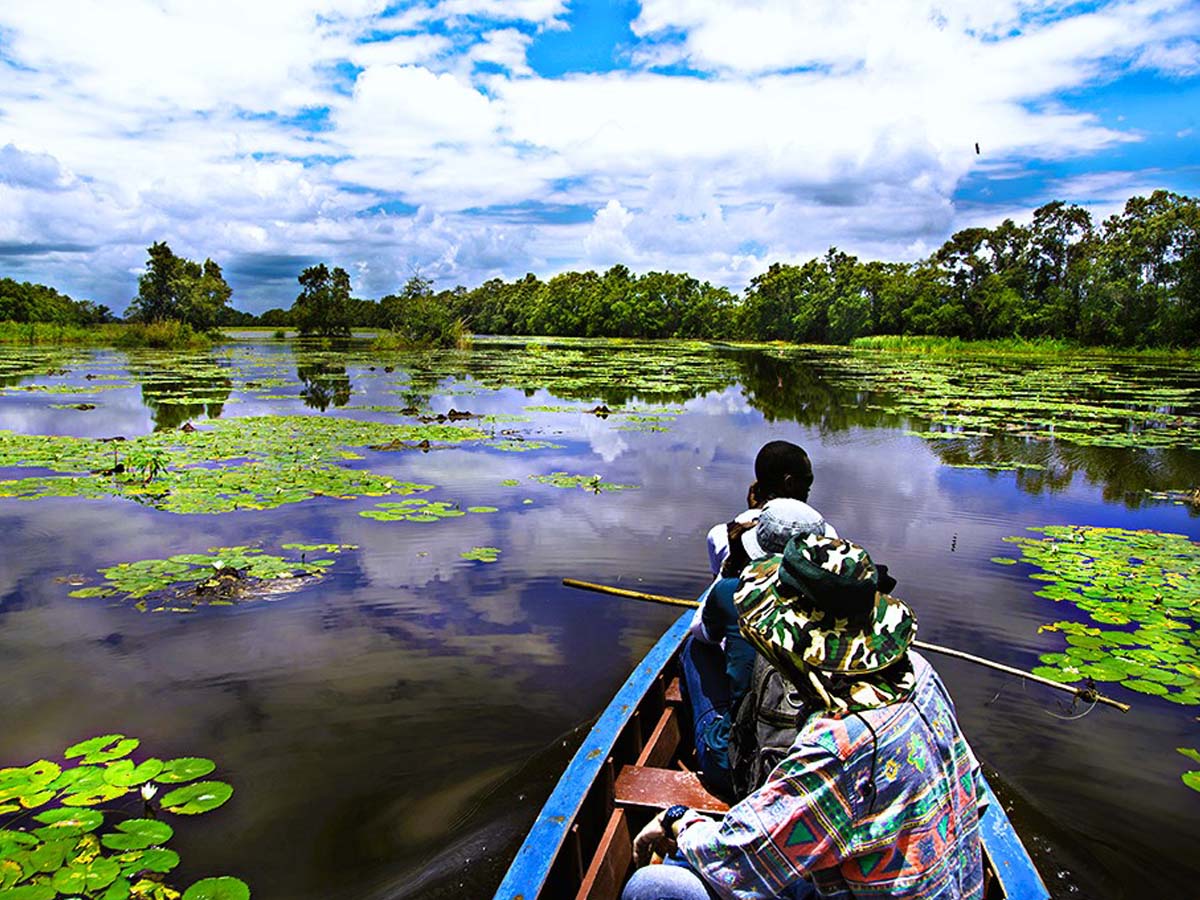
x=532 y=868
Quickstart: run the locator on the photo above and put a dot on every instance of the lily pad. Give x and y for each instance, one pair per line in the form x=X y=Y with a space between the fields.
x=197 y=798
x=138 y=834
x=223 y=888
x=102 y=749
x=186 y=768
x=481 y=554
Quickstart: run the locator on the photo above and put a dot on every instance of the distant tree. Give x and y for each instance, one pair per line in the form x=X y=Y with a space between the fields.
x=420 y=318
x=173 y=287
x=322 y=306
x=275 y=318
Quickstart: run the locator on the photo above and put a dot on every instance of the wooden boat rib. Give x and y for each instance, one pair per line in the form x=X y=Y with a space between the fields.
x=628 y=769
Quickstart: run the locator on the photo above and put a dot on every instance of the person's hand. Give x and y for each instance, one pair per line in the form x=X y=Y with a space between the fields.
x=654 y=838
x=752 y=496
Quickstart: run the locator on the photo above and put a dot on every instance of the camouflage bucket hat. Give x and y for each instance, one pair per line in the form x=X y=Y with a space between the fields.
x=816 y=606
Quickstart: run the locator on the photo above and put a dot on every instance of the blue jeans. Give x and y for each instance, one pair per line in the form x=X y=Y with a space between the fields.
x=705 y=687
x=673 y=880
x=676 y=880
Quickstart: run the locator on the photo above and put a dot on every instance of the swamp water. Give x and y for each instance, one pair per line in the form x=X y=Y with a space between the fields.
x=347 y=595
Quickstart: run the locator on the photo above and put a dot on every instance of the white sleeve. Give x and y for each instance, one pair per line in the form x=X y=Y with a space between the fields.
x=718 y=548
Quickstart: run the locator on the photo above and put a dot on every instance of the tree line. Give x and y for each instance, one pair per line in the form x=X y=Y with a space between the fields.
x=1131 y=280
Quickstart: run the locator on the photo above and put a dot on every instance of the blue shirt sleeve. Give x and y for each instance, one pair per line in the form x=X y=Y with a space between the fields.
x=720 y=618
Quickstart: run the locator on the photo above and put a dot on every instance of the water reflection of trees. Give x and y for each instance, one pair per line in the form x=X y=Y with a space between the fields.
x=811 y=390
x=325 y=383
x=796 y=390
x=177 y=394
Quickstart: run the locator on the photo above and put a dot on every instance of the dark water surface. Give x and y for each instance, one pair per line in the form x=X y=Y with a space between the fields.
x=391 y=730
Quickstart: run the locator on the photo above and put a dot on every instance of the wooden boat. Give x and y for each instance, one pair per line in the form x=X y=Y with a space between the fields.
x=628 y=769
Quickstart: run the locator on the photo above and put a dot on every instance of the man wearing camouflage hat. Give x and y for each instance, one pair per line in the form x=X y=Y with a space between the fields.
x=878 y=796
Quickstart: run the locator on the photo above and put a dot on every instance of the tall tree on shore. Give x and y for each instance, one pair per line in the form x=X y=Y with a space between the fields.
x=173 y=287
x=322 y=306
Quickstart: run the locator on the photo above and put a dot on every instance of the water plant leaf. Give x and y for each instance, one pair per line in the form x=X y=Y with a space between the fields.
x=1191 y=754
x=95 y=796
x=224 y=888
x=188 y=580
x=92 y=876
x=593 y=483
x=30 y=892
x=124 y=773
x=185 y=768
x=105 y=748
x=481 y=554
x=156 y=859
x=1144 y=582
x=1192 y=780
x=1004 y=561
x=66 y=823
x=200 y=797
x=138 y=834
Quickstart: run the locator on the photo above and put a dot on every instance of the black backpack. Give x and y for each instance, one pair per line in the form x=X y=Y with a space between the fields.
x=765 y=724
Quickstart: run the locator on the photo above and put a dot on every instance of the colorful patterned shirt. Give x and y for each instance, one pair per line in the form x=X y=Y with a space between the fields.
x=894 y=815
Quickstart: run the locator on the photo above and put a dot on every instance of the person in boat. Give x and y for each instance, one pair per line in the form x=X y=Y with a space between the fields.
x=879 y=794
x=781 y=469
x=718 y=665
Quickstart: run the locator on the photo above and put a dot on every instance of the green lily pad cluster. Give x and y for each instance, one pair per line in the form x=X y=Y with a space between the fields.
x=521 y=445
x=220 y=577
x=256 y=463
x=481 y=554
x=1070 y=399
x=417 y=510
x=56 y=842
x=1141 y=591
x=594 y=483
x=1191 y=779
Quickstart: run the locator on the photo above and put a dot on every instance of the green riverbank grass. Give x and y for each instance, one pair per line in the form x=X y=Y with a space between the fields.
x=164 y=335
x=1049 y=347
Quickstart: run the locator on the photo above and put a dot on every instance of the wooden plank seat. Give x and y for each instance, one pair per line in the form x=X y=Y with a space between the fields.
x=663 y=743
x=612 y=863
x=647 y=787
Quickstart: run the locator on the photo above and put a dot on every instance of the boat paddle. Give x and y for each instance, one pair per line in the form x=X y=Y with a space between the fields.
x=1089 y=695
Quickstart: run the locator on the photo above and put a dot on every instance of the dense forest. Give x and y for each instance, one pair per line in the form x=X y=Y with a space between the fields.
x=1132 y=280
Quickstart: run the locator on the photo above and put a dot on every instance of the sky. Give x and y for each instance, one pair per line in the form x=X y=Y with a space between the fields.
x=471 y=139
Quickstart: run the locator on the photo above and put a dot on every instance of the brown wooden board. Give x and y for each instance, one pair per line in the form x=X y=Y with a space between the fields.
x=646 y=787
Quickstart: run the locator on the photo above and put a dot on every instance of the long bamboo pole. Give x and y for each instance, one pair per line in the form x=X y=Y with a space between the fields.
x=1084 y=693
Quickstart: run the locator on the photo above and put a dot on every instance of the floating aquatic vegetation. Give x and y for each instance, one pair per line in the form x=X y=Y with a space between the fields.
x=1070 y=400
x=417 y=510
x=593 y=483
x=1191 y=779
x=55 y=841
x=81 y=390
x=481 y=554
x=1142 y=591
x=510 y=482
x=258 y=462
x=482 y=509
x=520 y=445
x=221 y=577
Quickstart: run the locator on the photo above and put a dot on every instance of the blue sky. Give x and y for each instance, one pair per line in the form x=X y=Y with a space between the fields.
x=469 y=139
